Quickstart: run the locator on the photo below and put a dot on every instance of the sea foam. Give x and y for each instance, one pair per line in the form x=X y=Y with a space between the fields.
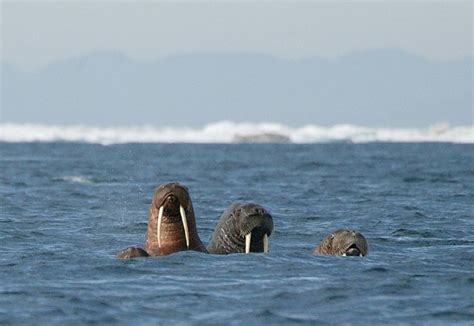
x=232 y=132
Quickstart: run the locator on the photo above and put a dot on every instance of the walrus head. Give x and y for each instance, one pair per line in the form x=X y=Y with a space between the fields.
x=171 y=222
x=243 y=227
x=343 y=243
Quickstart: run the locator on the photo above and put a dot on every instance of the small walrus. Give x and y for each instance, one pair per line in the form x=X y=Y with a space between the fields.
x=243 y=227
x=171 y=224
x=343 y=242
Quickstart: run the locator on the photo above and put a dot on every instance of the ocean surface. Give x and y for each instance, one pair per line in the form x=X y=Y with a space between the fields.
x=68 y=208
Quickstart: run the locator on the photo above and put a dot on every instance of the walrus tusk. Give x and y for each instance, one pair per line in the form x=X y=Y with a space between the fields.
x=248 y=237
x=158 y=227
x=265 y=243
x=185 y=224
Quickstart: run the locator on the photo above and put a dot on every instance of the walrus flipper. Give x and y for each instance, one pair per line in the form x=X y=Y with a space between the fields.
x=132 y=252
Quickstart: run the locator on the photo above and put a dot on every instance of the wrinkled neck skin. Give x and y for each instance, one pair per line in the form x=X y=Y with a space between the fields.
x=173 y=237
x=226 y=239
x=229 y=234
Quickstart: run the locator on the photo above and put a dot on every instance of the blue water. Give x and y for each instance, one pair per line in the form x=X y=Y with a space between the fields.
x=67 y=209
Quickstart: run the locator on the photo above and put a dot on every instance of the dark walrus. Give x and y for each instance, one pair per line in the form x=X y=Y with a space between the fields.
x=171 y=224
x=343 y=242
x=243 y=227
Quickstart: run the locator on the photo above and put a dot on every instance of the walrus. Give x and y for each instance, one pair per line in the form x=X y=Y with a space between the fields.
x=171 y=224
x=243 y=227
x=343 y=242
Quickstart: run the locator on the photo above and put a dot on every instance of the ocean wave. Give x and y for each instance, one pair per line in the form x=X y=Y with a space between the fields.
x=74 y=179
x=232 y=132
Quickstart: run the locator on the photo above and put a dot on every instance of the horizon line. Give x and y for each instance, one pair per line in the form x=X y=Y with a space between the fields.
x=296 y=59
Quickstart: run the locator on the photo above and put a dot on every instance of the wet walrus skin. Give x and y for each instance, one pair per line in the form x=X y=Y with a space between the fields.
x=243 y=227
x=171 y=224
x=343 y=243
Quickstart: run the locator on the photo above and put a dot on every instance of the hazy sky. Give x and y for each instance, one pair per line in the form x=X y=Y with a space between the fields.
x=35 y=34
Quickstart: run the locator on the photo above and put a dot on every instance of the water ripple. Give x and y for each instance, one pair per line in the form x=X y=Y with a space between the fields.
x=67 y=209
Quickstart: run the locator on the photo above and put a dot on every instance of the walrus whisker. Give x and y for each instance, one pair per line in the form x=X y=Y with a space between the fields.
x=158 y=227
x=185 y=224
x=265 y=243
x=248 y=238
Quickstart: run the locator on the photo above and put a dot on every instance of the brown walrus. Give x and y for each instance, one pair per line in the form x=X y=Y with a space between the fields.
x=343 y=242
x=171 y=224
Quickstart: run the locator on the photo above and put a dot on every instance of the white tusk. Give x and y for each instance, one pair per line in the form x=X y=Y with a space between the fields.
x=344 y=254
x=158 y=228
x=185 y=224
x=248 y=237
x=265 y=243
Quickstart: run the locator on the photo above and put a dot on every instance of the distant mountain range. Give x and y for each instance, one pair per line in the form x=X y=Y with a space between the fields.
x=373 y=88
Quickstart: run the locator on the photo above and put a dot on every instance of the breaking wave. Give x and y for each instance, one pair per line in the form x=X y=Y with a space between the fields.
x=231 y=132
x=75 y=179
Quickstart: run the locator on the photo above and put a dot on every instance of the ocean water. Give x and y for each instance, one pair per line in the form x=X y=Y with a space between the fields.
x=68 y=208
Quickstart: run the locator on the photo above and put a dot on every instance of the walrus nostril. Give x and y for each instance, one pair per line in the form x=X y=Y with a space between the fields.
x=171 y=201
x=259 y=211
